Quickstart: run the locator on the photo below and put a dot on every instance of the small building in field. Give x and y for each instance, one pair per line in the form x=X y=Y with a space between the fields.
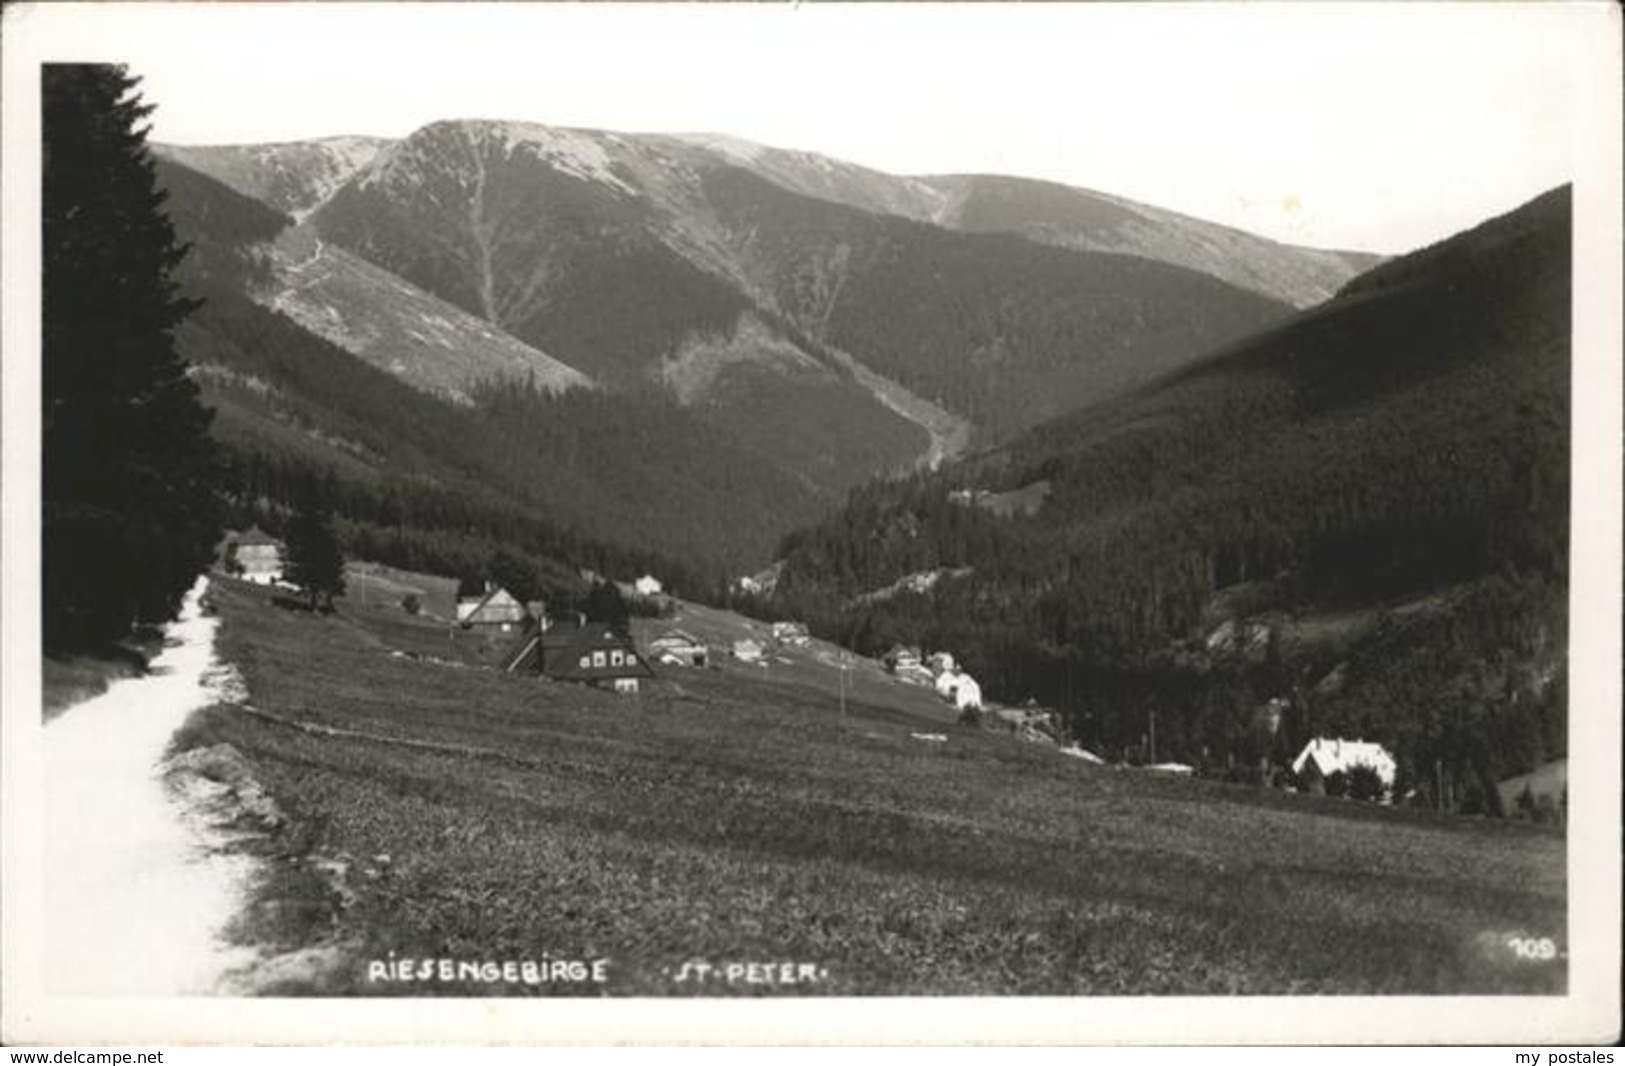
x=1030 y=718
x=748 y=650
x=676 y=648
x=1323 y=757
x=590 y=654
x=497 y=609
x=967 y=694
x=792 y=633
x=959 y=689
x=255 y=556
x=647 y=587
x=902 y=656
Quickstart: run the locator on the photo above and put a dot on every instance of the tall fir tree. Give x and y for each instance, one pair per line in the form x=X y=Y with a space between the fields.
x=315 y=561
x=130 y=514
x=606 y=604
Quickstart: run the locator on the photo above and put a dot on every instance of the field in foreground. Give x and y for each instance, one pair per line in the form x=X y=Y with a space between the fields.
x=453 y=812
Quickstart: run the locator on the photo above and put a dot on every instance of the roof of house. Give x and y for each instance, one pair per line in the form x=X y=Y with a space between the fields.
x=673 y=638
x=1331 y=755
x=255 y=537
x=564 y=645
x=1547 y=778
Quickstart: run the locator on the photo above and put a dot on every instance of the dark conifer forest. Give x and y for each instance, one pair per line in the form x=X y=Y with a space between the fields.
x=129 y=512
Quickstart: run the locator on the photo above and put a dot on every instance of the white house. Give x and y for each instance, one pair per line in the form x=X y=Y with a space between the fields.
x=959 y=689
x=968 y=694
x=646 y=586
x=255 y=556
x=1323 y=757
x=497 y=609
x=748 y=650
x=792 y=633
x=677 y=648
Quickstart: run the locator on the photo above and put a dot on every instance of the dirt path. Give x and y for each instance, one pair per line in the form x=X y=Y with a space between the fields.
x=135 y=897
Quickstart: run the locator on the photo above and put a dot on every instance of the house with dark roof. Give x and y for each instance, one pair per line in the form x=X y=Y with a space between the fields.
x=589 y=654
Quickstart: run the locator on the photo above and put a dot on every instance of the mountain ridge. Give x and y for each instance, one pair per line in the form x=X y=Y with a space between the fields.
x=935 y=198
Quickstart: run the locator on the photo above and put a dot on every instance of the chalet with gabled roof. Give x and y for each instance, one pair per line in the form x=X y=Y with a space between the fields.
x=255 y=556
x=590 y=654
x=1322 y=757
x=497 y=609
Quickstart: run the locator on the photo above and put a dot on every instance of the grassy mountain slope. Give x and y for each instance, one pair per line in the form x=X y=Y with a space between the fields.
x=727 y=814
x=1397 y=458
x=1051 y=213
x=292 y=177
x=398 y=327
x=368 y=312
x=1090 y=221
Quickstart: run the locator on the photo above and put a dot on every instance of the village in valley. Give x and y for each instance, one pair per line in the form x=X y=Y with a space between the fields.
x=492 y=629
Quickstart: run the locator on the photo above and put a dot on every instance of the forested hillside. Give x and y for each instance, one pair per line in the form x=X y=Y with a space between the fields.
x=643 y=261
x=613 y=482
x=1002 y=330
x=1362 y=513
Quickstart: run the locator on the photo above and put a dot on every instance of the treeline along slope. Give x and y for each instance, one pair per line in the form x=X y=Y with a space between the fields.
x=1377 y=491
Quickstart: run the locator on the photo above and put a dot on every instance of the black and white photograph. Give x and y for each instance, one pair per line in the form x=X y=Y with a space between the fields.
x=968 y=522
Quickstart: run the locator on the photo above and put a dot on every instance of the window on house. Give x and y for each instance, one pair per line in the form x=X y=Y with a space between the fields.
x=586 y=661
x=615 y=658
x=598 y=658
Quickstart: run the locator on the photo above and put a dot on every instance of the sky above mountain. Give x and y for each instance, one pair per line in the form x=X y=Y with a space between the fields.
x=1373 y=127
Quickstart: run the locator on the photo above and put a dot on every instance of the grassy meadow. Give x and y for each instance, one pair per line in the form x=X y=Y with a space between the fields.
x=437 y=808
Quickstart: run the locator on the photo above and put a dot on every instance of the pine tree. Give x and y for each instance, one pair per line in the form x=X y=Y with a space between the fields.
x=130 y=515
x=315 y=561
x=517 y=574
x=606 y=604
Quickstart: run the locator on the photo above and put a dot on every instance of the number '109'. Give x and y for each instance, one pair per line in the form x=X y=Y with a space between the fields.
x=1529 y=947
